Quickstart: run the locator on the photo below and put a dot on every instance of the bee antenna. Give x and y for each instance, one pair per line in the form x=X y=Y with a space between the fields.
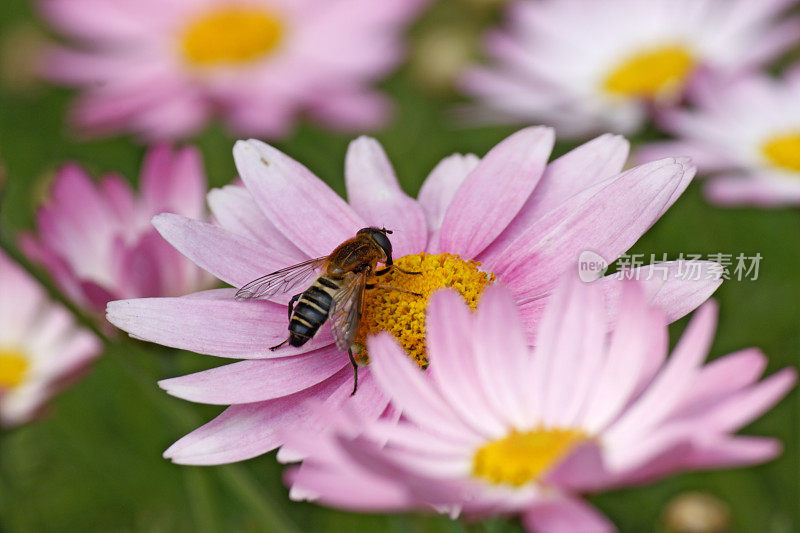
x=386 y=231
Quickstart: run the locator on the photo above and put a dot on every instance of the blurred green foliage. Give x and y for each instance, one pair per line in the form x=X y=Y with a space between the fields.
x=94 y=464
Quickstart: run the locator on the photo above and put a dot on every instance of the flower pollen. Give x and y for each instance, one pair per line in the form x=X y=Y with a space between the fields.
x=13 y=368
x=403 y=314
x=522 y=457
x=231 y=36
x=783 y=151
x=652 y=73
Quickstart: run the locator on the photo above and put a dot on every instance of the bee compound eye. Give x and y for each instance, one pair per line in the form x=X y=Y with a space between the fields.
x=383 y=241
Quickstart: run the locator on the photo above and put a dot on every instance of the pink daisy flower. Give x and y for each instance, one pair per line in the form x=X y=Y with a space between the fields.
x=41 y=347
x=509 y=216
x=586 y=66
x=96 y=238
x=162 y=69
x=496 y=427
x=747 y=133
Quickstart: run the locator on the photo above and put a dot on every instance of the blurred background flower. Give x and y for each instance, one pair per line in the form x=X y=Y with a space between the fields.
x=96 y=239
x=42 y=350
x=744 y=131
x=586 y=67
x=163 y=68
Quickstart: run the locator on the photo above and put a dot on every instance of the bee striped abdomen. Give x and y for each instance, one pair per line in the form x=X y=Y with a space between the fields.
x=311 y=311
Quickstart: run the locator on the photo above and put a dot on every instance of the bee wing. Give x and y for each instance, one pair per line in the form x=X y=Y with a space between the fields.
x=346 y=311
x=280 y=281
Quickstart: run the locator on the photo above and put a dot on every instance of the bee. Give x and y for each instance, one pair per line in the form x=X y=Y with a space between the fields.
x=337 y=293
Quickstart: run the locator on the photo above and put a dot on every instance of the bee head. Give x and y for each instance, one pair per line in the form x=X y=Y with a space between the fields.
x=379 y=236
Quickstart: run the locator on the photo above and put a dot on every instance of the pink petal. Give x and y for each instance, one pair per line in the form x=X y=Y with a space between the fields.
x=411 y=392
x=501 y=354
x=357 y=490
x=301 y=206
x=426 y=482
x=748 y=404
x=235 y=210
x=140 y=273
x=248 y=430
x=781 y=37
x=213 y=323
x=97 y=21
x=452 y=355
x=366 y=406
x=440 y=186
x=733 y=451
x=607 y=219
x=568 y=351
x=565 y=515
x=495 y=191
x=346 y=412
x=353 y=111
x=724 y=376
x=257 y=380
x=78 y=206
x=233 y=259
x=120 y=195
x=671 y=383
x=262 y=116
x=56 y=266
x=706 y=158
x=409 y=437
x=675 y=287
x=96 y=295
x=183 y=113
x=174 y=181
x=637 y=346
x=375 y=194
x=575 y=171
x=734 y=190
x=624 y=459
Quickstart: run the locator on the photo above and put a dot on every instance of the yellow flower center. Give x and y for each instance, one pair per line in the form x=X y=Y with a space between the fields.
x=13 y=367
x=522 y=457
x=231 y=35
x=651 y=73
x=783 y=151
x=403 y=314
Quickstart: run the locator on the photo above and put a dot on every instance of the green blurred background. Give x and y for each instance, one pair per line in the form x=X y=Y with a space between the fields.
x=94 y=463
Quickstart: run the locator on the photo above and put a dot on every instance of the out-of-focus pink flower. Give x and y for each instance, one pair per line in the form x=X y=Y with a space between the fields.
x=494 y=427
x=96 y=239
x=163 y=68
x=525 y=220
x=745 y=131
x=586 y=66
x=41 y=348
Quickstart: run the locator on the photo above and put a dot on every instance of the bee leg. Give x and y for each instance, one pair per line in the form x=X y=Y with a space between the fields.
x=292 y=302
x=408 y=271
x=389 y=288
x=272 y=349
x=391 y=267
x=355 y=371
